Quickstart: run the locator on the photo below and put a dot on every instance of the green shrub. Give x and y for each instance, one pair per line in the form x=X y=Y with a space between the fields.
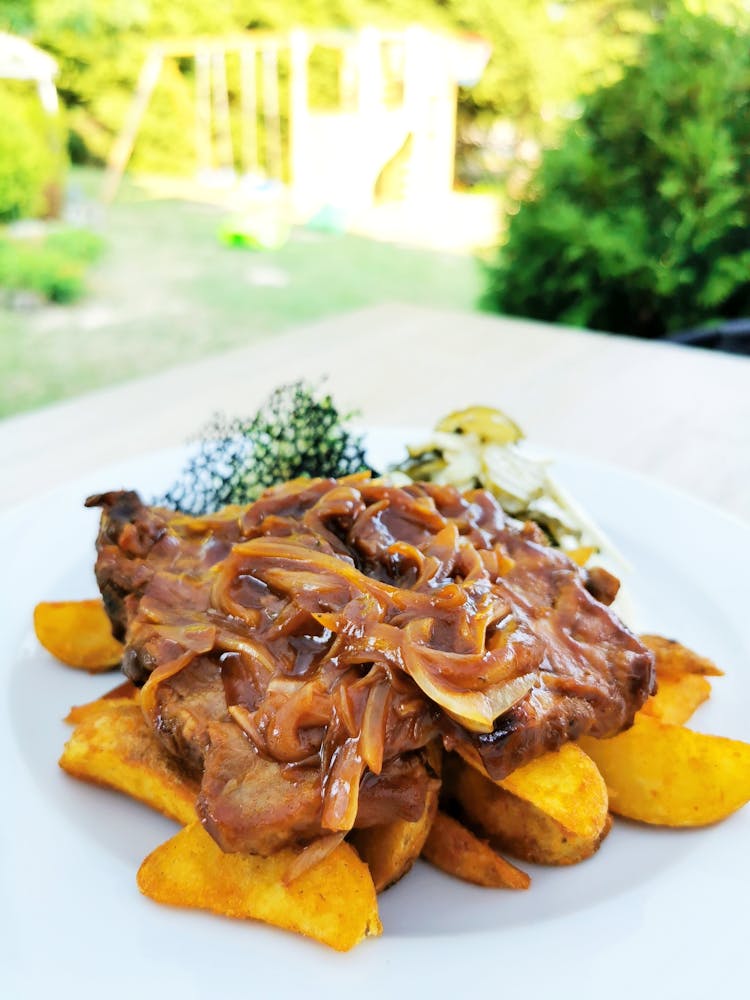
x=24 y=156
x=53 y=267
x=640 y=221
x=77 y=244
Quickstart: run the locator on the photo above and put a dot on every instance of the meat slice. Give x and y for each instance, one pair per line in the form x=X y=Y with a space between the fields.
x=301 y=653
x=249 y=803
x=135 y=541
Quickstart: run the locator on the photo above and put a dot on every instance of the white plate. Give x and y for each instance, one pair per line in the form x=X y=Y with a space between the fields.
x=655 y=913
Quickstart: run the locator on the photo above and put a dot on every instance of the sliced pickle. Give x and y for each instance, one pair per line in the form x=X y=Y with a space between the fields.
x=425 y=470
x=487 y=423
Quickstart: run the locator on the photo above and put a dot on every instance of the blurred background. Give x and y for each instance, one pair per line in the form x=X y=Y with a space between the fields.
x=180 y=178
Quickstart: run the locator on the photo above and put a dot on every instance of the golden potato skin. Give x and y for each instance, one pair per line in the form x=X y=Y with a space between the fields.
x=552 y=811
x=78 y=633
x=668 y=775
x=522 y=829
x=454 y=849
x=333 y=902
x=391 y=849
x=677 y=698
x=113 y=745
x=674 y=659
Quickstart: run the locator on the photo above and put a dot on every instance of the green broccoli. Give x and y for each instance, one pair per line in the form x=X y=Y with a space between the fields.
x=295 y=433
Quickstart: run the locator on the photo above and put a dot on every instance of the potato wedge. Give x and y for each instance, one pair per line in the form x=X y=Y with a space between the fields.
x=671 y=776
x=113 y=745
x=677 y=698
x=454 y=849
x=78 y=633
x=551 y=811
x=125 y=694
x=93 y=709
x=674 y=659
x=391 y=849
x=334 y=902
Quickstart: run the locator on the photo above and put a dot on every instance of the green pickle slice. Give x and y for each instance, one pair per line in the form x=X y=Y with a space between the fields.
x=488 y=424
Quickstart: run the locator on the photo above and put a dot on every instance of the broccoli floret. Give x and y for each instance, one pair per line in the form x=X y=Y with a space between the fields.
x=295 y=433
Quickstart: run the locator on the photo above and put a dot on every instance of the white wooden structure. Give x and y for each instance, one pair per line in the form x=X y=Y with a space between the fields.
x=20 y=60
x=397 y=89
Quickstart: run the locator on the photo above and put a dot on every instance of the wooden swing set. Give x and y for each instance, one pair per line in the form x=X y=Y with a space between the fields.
x=258 y=55
x=329 y=156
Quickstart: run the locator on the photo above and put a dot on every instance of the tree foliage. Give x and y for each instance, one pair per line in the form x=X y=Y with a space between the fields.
x=22 y=168
x=543 y=55
x=639 y=221
x=100 y=47
x=30 y=153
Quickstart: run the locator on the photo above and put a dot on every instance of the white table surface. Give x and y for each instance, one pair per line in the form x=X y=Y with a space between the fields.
x=679 y=415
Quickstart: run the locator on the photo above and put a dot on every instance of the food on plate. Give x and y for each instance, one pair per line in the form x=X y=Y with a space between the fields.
x=390 y=849
x=483 y=447
x=551 y=811
x=454 y=849
x=671 y=659
x=681 y=675
x=78 y=633
x=333 y=902
x=486 y=423
x=671 y=776
x=344 y=626
x=305 y=658
x=298 y=431
x=677 y=698
x=125 y=693
x=113 y=745
x=351 y=672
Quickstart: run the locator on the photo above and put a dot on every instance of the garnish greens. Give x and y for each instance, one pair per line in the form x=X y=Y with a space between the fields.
x=483 y=447
x=296 y=432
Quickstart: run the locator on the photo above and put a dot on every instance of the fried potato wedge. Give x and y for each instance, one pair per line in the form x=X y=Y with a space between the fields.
x=674 y=659
x=671 y=776
x=93 y=709
x=334 y=902
x=124 y=694
x=113 y=745
x=78 y=633
x=551 y=811
x=454 y=849
x=389 y=850
x=677 y=698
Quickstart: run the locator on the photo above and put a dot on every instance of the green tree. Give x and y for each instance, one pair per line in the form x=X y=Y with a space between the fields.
x=100 y=47
x=23 y=155
x=640 y=221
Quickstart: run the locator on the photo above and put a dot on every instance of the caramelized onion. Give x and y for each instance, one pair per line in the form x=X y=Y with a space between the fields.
x=353 y=626
x=302 y=654
x=312 y=855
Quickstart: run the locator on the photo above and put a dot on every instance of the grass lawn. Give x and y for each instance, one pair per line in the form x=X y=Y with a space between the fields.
x=168 y=291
